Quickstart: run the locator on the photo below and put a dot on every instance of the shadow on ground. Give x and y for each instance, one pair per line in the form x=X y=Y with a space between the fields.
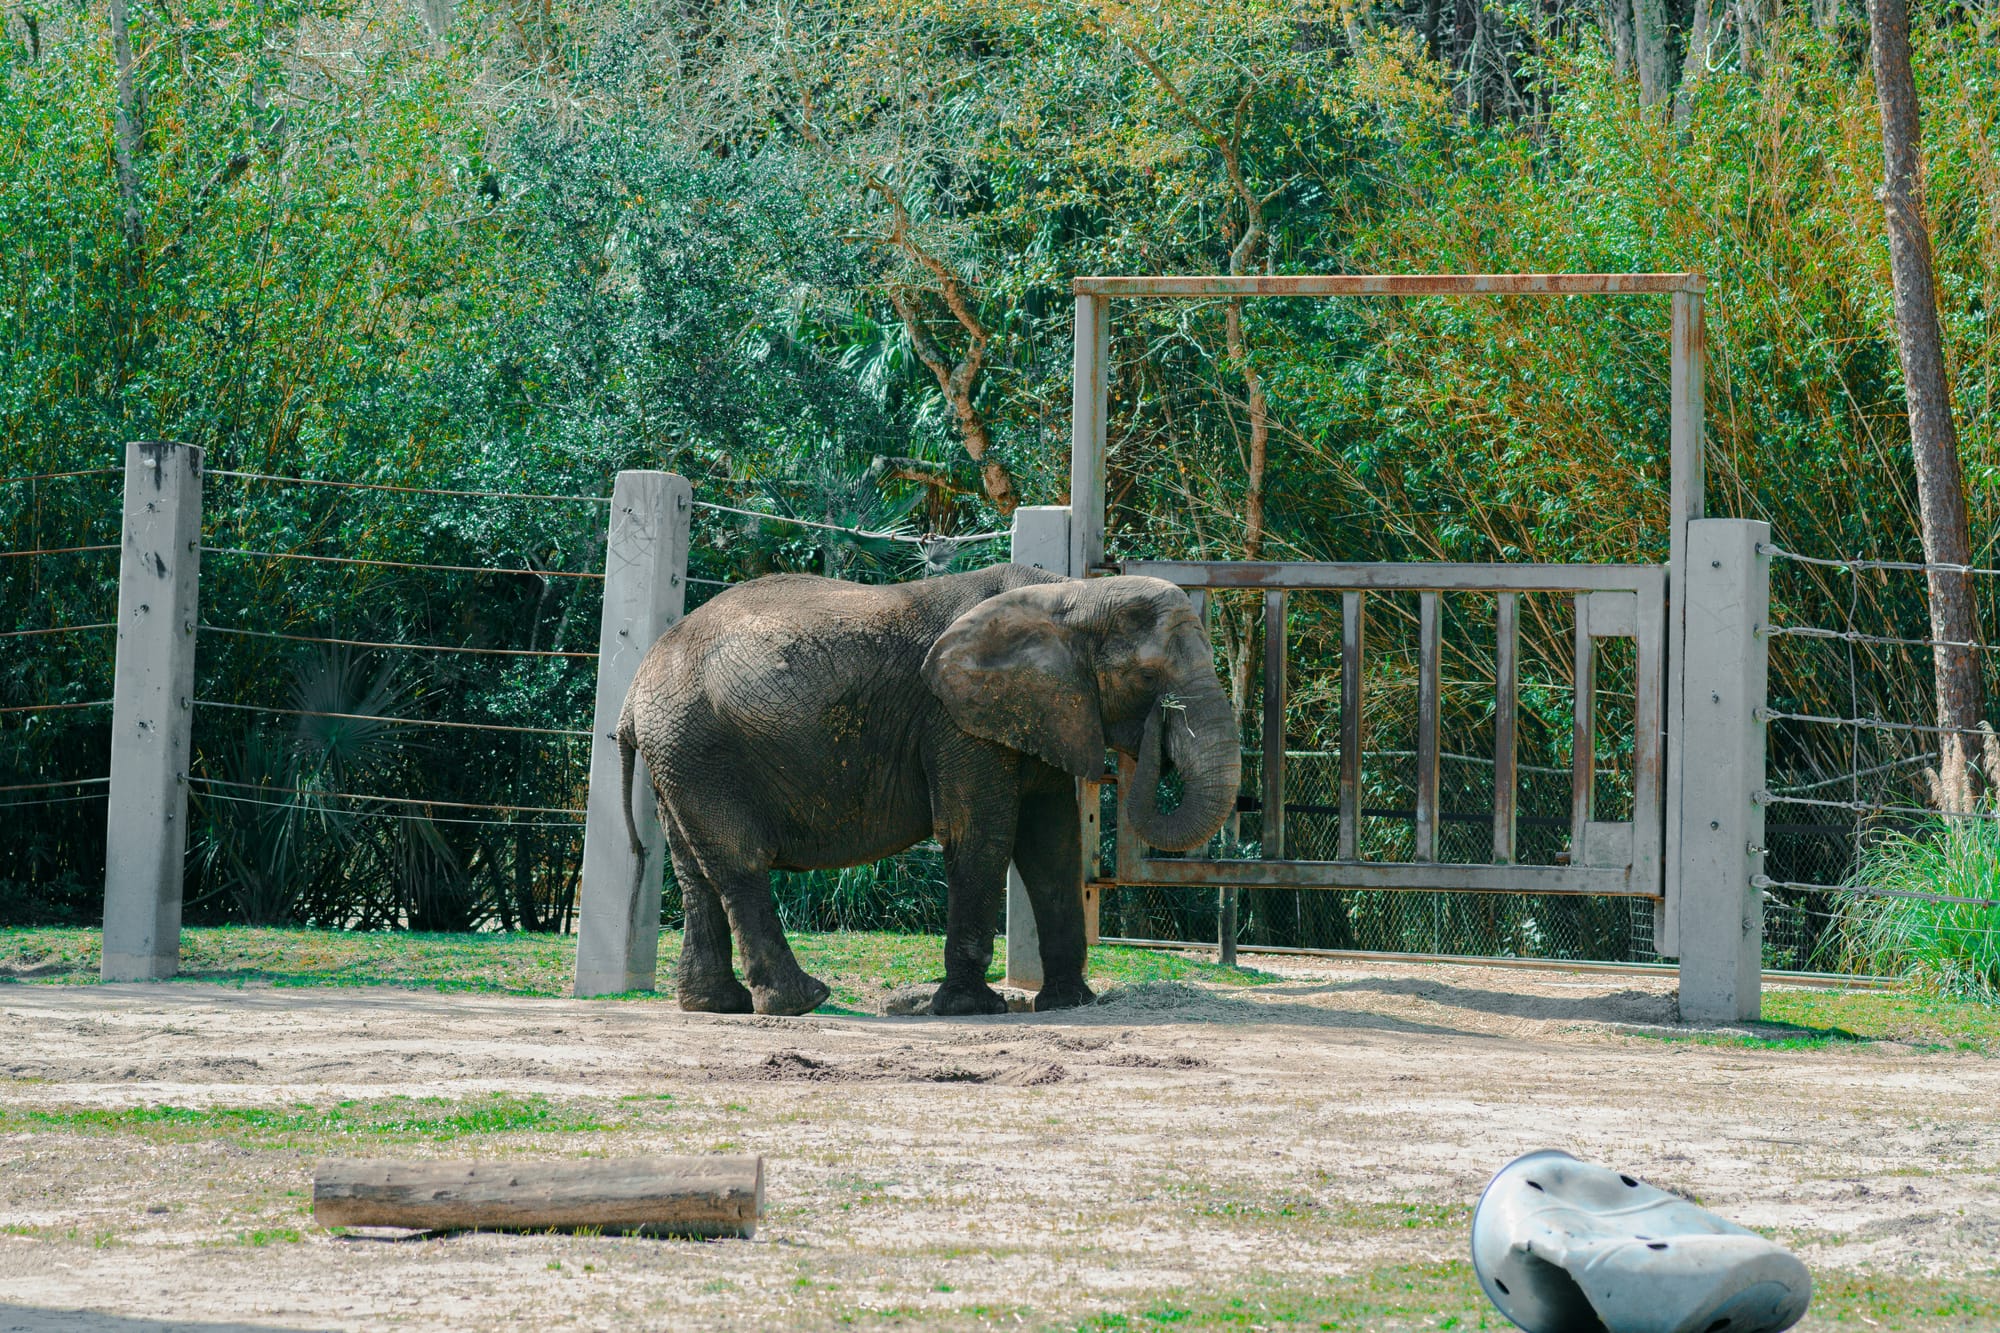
x=33 y=1319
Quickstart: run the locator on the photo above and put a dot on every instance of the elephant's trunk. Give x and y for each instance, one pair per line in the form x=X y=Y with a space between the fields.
x=1202 y=743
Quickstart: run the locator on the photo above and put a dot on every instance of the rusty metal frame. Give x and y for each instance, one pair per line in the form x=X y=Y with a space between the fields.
x=1607 y=857
x=1659 y=622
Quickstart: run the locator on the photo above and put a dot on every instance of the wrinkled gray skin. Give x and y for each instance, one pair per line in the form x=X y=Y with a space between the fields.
x=798 y=723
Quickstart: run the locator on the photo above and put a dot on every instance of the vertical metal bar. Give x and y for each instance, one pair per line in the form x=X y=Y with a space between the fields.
x=1128 y=850
x=1506 y=711
x=1089 y=403
x=1274 y=725
x=1427 y=725
x=645 y=590
x=1225 y=926
x=1648 y=738
x=1353 y=632
x=152 y=688
x=1687 y=502
x=1583 y=738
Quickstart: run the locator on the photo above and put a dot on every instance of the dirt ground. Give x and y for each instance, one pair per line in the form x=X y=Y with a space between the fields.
x=1299 y=1154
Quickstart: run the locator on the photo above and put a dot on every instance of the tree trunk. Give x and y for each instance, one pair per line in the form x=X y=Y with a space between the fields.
x=128 y=139
x=1650 y=43
x=1701 y=37
x=1933 y=438
x=126 y=136
x=958 y=382
x=1753 y=21
x=1618 y=22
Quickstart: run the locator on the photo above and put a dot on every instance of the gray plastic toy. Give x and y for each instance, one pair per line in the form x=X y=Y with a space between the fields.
x=1562 y=1246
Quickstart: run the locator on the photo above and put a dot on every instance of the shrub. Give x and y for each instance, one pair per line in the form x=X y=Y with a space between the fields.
x=1945 y=948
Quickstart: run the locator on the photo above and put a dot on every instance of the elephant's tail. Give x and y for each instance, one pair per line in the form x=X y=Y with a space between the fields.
x=628 y=754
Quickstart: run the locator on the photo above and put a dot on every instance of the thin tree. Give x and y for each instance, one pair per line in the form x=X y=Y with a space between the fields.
x=1933 y=438
x=127 y=141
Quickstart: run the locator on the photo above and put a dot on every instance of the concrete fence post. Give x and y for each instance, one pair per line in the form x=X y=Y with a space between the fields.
x=152 y=702
x=1720 y=914
x=645 y=591
x=1041 y=539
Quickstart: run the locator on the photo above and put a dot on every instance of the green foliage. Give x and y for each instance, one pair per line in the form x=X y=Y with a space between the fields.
x=1946 y=949
x=522 y=251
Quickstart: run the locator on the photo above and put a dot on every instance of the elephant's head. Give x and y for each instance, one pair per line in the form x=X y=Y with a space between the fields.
x=1059 y=670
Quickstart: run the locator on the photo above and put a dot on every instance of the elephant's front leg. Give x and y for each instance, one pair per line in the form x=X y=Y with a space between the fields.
x=978 y=838
x=1048 y=853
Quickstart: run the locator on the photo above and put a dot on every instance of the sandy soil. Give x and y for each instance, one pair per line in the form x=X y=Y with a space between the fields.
x=1171 y=1147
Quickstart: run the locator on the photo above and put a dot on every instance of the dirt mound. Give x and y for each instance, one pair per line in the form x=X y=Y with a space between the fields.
x=1141 y=1060
x=797 y=1067
x=915 y=1001
x=1155 y=997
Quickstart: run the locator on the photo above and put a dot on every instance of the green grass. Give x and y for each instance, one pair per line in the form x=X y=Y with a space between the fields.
x=388 y=1120
x=1442 y=1296
x=858 y=966
x=1912 y=1016
x=1811 y=1020
x=861 y=966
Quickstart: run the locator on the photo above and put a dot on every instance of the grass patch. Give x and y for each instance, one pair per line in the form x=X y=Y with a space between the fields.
x=857 y=965
x=388 y=1120
x=1447 y=1296
x=1239 y=1204
x=1920 y=1019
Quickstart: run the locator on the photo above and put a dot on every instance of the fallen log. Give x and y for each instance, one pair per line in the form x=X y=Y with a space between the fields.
x=666 y=1196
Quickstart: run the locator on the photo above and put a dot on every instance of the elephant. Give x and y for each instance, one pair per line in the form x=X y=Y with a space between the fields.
x=795 y=722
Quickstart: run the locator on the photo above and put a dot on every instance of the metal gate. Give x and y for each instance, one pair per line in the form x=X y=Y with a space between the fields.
x=1606 y=857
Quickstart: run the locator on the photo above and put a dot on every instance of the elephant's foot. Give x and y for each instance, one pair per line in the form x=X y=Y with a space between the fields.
x=955 y=999
x=800 y=995
x=724 y=995
x=1063 y=995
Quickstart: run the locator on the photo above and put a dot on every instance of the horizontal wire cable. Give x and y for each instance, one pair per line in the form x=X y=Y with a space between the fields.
x=53 y=800
x=1909 y=566
x=405 y=490
x=1904 y=762
x=59 y=550
x=1873 y=807
x=392 y=814
x=56 y=629
x=1869 y=891
x=911 y=538
x=397 y=721
x=714 y=583
x=58 y=476
x=54 y=708
x=65 y=782
x=1856 y=636
x=398 y=564
x=393 y=800
x=1776 y=715
x=207 y=628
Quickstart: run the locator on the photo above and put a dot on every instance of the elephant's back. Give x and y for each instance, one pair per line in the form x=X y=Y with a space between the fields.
x=787 y=656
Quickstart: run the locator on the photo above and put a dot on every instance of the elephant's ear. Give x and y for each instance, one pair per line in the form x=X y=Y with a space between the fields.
x=1008 y=670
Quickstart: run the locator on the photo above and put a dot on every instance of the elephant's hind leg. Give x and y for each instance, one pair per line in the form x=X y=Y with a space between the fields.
x=778 y=985
x=705 y=981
